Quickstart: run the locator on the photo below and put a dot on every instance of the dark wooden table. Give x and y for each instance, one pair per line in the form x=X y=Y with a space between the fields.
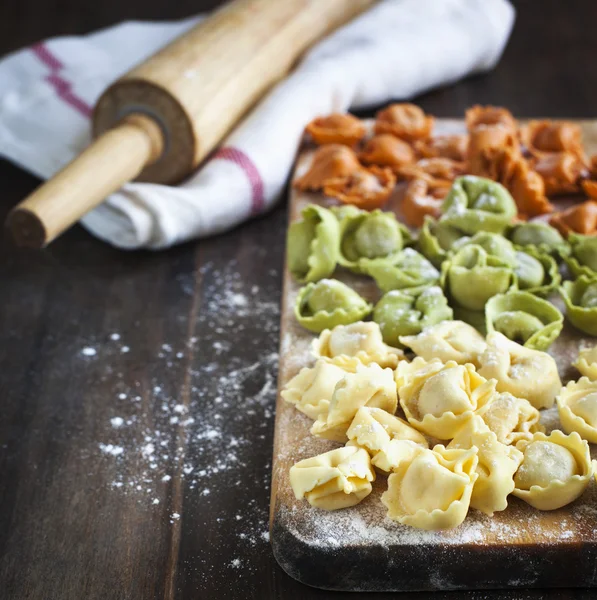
x=137 y=389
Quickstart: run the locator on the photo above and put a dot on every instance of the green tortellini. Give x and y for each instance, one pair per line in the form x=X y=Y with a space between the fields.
x=536 y=272
x=580 y=297
x=328 y=303
x=345 y=211
x=435 y=239
x=472 y=276
x=409 y=271
x=524 y=318
x=478 y=204
x=402 y=313
x=370 y=238
x=313 y=244
x=583 y=257
x=493 y=243
x=539 y=237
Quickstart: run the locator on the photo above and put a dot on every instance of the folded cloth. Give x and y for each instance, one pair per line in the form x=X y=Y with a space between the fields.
x=397 y=49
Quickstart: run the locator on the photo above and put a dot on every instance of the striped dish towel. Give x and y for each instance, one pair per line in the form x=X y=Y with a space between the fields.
x=396 y=50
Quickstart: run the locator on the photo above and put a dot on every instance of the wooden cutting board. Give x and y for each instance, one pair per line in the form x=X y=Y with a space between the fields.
x=360 y=549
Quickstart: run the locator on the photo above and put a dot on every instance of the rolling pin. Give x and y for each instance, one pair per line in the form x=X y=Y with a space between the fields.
x=160 y=120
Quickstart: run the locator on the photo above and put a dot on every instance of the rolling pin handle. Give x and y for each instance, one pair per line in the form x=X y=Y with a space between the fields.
x=114 y=159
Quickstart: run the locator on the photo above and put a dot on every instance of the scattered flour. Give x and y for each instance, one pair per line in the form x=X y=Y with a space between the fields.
x=88 y=351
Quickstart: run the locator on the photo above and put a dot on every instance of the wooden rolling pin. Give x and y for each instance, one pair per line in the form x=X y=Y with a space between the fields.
x=159 y=121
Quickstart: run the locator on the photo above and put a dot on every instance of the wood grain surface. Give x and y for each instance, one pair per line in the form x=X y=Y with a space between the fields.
x=359 y=549
x=65 y=532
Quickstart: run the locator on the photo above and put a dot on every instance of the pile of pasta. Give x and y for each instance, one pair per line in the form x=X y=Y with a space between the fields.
x=442 y=390
x=534 y=161
x=458 y=427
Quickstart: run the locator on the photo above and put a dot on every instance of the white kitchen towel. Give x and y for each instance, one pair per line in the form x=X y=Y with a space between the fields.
x=396 y=50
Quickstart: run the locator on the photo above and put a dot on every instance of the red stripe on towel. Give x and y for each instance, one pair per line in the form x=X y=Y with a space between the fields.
x=62 y=87
x=239 y=158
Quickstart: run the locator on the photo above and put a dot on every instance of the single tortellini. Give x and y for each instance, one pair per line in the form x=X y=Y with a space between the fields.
x=524 y=318
x=478 y=204
x=369 y=385
x=511 y=419
x=539 y=237
x=448 y=340
x=312 y=388
x=577 y=407
x=370 y=237
x=536 y=273
x=586 y=362
x=400 y=313
x=580 y=298
x=555 y=470
x=583 y=256
x=361 y=340
x=409 y=271
x=471 y=277
x=493 y=243
x=313 y=244
x=435 y=239
x=524 y=372
x=336 y=479
x=328 y=303
x=433 y=490
x=388 y=439
x=496 y=467
x=438 y=398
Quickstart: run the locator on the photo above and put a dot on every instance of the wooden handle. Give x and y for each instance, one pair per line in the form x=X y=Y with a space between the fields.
x=160 y=120
x=115 y=158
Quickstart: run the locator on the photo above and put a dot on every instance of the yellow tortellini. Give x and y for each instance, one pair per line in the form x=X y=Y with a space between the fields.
x=433 y=491
x=448 y=340
x=577 y=407
x=496 y=467
x=525 y=373
x=555 y=470
x=313 y=387
x=586 y=362
x=511 y=419
x=439 y=398
x=369 y=385
x=361 y=340
x=388 y=439
x=336 y=479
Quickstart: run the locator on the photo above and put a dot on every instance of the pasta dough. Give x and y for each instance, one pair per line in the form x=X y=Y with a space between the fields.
x=586 y=362
x=336 y=479
x=360 y=340
x=577 y=407
x=495 y=469
x=525 y=373
x=388 y=439
x=328 y=303
x=448 y=340
x=369 y=385
x=438 y=399
x=555 y=470
x=511 y=419
x=312 y=388
x=432 y=491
